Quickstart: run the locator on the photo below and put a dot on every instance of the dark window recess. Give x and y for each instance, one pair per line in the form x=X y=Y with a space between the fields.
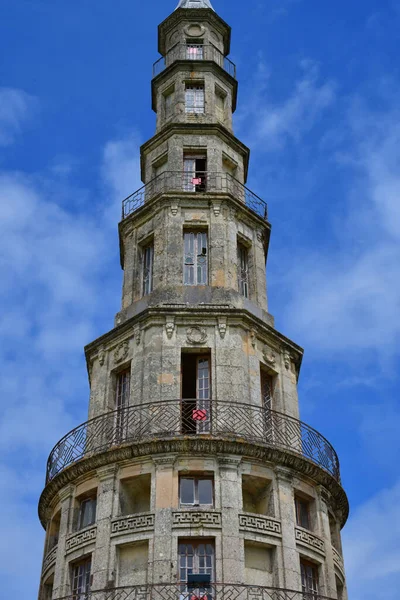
x=195 y=557
x=196 y=491
x=195 y=173
x=81 y=579
x=147 y=270
x=302 y=512
x=86 y=513
x=196 y=393
x=309 y=577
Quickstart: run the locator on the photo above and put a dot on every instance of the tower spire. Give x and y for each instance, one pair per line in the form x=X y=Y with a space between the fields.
x=194 y=4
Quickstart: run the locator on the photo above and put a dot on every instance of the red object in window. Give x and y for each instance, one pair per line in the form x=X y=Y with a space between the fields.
x=196 y=181
x=194 y=597
x=199 y=415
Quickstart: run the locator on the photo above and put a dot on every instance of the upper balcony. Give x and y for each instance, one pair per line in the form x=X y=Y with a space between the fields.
x=194 y=52
x=194 y=183
x=204 y=420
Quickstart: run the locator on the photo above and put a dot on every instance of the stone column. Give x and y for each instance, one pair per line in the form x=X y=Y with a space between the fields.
x=104 y=514
x=61 y=582
x=231 y=502
x=289 y=567
x=166 y=498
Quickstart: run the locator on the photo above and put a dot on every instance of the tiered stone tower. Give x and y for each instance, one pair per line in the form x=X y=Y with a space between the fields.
x=193 y=478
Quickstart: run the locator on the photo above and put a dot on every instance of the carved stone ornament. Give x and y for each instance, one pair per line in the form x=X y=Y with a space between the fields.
x=216 y=209
x=253 y=338
x=137 y=335
x=174 y=209
x=222 y=326
x=102 y=356
x=269 y=356
x=287 y=359
x=170 y=326
x=121 y=351
x=260 y=236
x=196 y=335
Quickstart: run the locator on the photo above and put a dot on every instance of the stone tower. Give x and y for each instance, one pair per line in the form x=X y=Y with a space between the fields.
x=193 y=477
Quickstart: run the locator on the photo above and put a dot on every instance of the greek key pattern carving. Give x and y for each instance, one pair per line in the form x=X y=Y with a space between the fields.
x=259 y=524
x=196 y=519
x=81 y=538
x=132 y=524
x=49 y=559
x=338 y=559
x=310 y=540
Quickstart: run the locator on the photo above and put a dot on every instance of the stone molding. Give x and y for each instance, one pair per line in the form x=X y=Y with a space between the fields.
x=81 y=538
x=121 y=351
x=220 y=446
x=310 y=540
x=259 y=524
x=132 y=524
x=49 y=559
x=337 y=559
x=196 y=335
x=200 y=518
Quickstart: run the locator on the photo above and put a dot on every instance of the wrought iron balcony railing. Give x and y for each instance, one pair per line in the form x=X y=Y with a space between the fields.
x=194 y=52
x=181 y=418
x=200 y=182
x=214 y=591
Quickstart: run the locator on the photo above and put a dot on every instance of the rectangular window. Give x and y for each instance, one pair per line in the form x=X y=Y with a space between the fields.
x=243 y=270
x=195 y=173
x=309 y=577
x=169 y=96
x=194 y=50
x=196 y=391
x=196 y=558
x=81 y=580
x=195 y=99
x=302 y=512
x=122 y=394
x=196 y=491
x=220 y=105
x=147 y=274
x=87 y=512
x=195 y=258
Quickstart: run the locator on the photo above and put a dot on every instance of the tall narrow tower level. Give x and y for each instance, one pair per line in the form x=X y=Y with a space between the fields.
x=193 y=478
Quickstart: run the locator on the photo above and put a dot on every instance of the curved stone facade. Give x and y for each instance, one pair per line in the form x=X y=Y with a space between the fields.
x=224 y=492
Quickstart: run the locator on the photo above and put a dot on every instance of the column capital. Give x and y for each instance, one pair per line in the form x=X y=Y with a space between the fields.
x=163 y=461
x=66 y=493
x=324 y=495
x=107 y=472
x=283 y=474
x=229 y=462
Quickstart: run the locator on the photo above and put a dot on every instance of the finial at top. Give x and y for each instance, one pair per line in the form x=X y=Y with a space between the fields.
x=194 y=4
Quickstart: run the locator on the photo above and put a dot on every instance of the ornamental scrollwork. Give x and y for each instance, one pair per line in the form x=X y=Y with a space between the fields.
x=196 y=335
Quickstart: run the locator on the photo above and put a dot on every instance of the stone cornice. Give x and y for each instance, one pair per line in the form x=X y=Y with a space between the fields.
x=192 y=446
x=196 y=312
x=196 y=129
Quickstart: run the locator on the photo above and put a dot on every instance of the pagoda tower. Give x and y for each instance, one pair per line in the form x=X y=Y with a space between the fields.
x=193 y=478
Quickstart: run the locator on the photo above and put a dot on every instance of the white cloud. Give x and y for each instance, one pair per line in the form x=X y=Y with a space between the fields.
x=16 y=107
x=274 y=124
x=372 y=547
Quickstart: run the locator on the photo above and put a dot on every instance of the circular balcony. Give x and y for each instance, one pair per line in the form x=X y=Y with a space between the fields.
x=194 y=52
x=193 y=419
x=213 y=591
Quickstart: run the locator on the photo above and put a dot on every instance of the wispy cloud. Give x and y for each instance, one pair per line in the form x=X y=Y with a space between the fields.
x=372 y=547
x=16 y=107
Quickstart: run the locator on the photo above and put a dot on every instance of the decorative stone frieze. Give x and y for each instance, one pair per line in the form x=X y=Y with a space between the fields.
x=216 y=209
x=102 y=355
x=259 y=524
x=76 y=540
x=49 y=559
x=269 y=356
x=196 y=335
x=170 y=325
x=287 y=359
x=310 y=540
x=174 y=209
x=132 y=524
x=222 y=326
x=188 y=518
x=137 y=335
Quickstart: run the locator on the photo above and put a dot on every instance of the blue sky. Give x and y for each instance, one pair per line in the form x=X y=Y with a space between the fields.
x=318 y=105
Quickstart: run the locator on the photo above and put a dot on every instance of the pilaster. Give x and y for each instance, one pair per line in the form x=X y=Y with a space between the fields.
x=61 y=579
x=231 y=502
x=289 y=577
x=166 y=483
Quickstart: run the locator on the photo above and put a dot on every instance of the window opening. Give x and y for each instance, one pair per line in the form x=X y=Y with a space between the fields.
x=266 y=400
x=302 y=512
x=169 y=103
x=195 y=99
x=195 y=258
x=121 y=403
x=309 y=577
x=86 y=513
x=220 y=105
x=196 y=392
x=81 y=580
x=195 y=173
x=148 y=256
x=195 y=558
x=196 y=491
x=194 y=50
x=243 y=270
